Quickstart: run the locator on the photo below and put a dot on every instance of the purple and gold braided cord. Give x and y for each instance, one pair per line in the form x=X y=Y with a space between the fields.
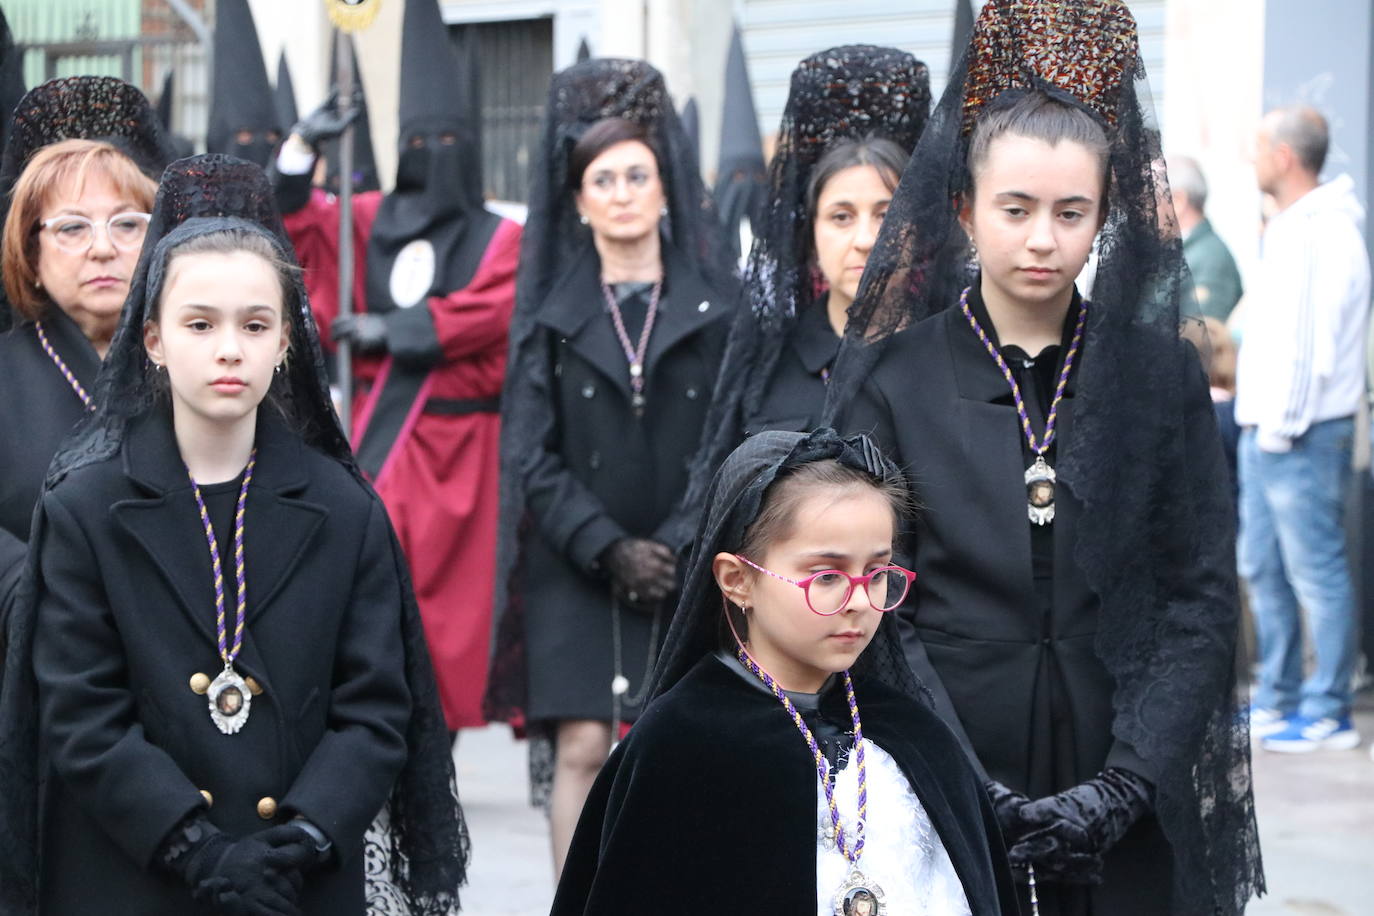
x=226 y=652
x=62 y=366
x=1059 y=387
x=822 y=765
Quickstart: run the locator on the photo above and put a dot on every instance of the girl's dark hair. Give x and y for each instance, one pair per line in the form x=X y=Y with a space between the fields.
x=884 y=155
x=231 y=241
x=1038 y=116
x=600 y=137
x=778 y=511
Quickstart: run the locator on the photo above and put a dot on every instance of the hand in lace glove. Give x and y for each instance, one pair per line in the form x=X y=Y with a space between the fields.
x=1007 y=805
x=1069 y=833
x=643 y=572
x=326 y=122
x=259 y=875
x=365 y=332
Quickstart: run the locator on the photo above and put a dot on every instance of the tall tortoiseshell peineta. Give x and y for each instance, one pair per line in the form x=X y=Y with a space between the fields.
x=1087 y=48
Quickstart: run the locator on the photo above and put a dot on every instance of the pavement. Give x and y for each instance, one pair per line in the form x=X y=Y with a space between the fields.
x=1316 y=818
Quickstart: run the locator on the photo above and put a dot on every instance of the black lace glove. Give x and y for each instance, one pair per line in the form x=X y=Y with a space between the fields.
x=325 y=123
x=1007 y=805
x=643 y=572
x=259 y=875
x=365 y=332
x=1069 y=833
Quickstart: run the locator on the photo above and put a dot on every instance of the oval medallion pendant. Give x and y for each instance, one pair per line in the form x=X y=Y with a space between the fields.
x=1040 y=478
x=859 y=896
x=229 y=698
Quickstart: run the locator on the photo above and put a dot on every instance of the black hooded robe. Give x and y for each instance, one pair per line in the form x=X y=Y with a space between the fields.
x=709 y=805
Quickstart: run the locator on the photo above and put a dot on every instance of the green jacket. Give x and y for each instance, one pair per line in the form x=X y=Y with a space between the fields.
x=1216 y=281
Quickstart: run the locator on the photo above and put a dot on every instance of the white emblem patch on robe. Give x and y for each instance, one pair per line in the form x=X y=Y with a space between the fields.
x=412 y=274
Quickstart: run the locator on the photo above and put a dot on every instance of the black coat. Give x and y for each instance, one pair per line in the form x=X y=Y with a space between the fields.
x=795 y=394
x=603 y=473
x=38 y=407
x=709 y=805
x=126 y=616
x=1022 y=684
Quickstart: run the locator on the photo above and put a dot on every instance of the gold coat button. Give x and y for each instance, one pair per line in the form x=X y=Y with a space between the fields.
x=200 y=682
x=209 y=799
x=253 y=686
x=267 y=808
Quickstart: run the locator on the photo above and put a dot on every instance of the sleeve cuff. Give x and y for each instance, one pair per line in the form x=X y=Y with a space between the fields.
x=591 y=539
x=1124 y=757
x=1272 y=442
x=412 y=338
x=295 y=159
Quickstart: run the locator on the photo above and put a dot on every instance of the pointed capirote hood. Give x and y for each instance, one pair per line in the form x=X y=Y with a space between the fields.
x=434 y=86
x=365 y=177
x=11 y=77
x=741 y=147
x=166 y=99
x=691 y=126
x=963 y=27
x=584 y=50
x=240 y=95
x=285 y=95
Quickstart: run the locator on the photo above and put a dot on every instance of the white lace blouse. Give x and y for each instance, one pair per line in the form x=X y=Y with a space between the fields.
x=902 y=852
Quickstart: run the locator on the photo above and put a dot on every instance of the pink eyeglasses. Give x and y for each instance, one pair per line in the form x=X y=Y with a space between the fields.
x=828 y=591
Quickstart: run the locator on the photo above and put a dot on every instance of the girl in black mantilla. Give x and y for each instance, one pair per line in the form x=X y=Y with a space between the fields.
x=788 y=763
x=853 y=115
x=1076 y=611
x=622 y=305
x=220 y=678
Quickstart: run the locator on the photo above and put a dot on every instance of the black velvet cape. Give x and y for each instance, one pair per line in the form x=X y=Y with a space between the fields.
x=710 y=804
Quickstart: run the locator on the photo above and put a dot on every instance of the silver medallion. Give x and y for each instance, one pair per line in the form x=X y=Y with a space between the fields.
x=412 y=273
x=1040 y=479
x=229 y=698
x=859 y=896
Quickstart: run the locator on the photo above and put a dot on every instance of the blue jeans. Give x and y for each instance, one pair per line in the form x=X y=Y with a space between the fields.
x=1293 y=552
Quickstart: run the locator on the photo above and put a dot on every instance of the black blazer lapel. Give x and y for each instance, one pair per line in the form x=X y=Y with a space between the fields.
x=687 y=306
x=576 y=311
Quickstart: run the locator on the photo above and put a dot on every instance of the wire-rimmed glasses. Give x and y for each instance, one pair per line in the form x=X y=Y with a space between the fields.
x=828 y=591
x=76 y=234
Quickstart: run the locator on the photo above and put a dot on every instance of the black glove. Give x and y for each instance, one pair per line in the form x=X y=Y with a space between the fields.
x=325 y=123
x=1007 y=805
x=1069 y=833
x=643 y=572
x=365 y=332
x=259 y=875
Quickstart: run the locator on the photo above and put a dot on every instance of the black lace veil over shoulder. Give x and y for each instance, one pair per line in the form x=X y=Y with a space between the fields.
x=428 y=838
x=80 y=108
x=553 y=240
x=849 y=92
x=733 y=502
x=1128 y=460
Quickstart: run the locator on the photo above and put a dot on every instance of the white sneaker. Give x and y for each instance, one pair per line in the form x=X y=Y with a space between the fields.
x=1266 y=720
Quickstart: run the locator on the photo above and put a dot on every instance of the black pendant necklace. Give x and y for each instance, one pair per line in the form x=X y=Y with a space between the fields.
x=1040 y=477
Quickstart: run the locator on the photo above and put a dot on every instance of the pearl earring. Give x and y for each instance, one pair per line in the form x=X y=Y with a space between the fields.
x=582 y=218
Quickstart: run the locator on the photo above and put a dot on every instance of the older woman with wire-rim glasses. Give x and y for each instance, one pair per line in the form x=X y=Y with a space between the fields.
x=77 y=218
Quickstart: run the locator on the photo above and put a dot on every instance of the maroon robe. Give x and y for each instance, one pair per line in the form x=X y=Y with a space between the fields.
x=440 y=479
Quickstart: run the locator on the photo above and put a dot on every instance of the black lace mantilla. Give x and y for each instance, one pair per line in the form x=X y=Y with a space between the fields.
x=553 y=239
x=849 y=92
x=1150 y=519
x=423 y=842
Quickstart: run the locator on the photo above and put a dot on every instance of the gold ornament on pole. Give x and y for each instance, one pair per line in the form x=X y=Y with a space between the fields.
x=353 y=15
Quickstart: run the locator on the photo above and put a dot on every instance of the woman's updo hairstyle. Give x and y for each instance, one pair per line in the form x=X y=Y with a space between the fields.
x=1037 y=116
x=883 y=154
x=600 y=137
